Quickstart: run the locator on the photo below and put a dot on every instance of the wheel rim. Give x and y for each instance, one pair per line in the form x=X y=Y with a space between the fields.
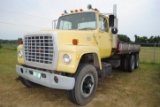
x=133 y=63
x=87 y=85
x=137 y=61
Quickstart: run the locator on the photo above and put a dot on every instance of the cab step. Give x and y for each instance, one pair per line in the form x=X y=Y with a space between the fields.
x=106 y=70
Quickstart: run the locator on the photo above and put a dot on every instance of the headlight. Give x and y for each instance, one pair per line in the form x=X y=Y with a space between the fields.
x=66 y=58
x=20 y=54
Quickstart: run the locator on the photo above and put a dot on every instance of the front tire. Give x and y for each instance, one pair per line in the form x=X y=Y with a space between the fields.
x=86 y=81
x=28 y=83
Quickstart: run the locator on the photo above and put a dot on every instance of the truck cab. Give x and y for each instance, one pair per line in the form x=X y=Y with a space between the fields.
x=90 y=21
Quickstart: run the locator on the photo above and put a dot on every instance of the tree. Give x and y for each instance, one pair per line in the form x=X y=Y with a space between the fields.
x=144 y=39
x=124 y=38
x=136 y=38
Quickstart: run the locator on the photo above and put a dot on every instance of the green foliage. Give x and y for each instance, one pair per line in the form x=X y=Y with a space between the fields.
x=144 y=39
x=124 y=38
x=8 y=41
x=9 y=44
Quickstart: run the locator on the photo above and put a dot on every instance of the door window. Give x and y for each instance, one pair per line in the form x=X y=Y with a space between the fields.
x=103 y=24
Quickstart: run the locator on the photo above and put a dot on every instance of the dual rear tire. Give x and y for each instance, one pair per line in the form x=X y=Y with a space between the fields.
x=136 y=60
x=129 y=62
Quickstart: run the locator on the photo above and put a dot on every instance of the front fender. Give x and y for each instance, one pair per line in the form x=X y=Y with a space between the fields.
x=76 y=52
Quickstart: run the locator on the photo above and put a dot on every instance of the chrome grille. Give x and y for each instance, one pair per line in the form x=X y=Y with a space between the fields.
x=39 y=49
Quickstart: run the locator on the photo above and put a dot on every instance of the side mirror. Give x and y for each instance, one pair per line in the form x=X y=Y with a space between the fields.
x=111 y=20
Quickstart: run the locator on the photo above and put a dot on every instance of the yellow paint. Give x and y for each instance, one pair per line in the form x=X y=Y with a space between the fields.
x=76 y=52
x=105 y=40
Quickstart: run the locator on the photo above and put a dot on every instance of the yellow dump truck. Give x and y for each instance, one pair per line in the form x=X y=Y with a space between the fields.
x=83 y=47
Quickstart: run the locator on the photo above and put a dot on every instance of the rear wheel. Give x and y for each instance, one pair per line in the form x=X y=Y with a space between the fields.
x=125 y=62
x=136 y=60
x=86 y=81
x=131 y=63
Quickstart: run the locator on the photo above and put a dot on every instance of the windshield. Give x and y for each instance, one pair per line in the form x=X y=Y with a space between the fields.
x=80 y=21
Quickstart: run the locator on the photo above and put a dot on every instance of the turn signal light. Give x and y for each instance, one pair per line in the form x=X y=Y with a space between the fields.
x=76 y=10
x=71 y=11
x=74 y=41
x=20 y=41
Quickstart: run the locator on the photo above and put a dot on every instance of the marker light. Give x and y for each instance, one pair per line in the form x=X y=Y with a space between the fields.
x=74 y=41
x=95 y=9
x=71 y=11
x=80 y=10
x=20 y=41
x=76 y=10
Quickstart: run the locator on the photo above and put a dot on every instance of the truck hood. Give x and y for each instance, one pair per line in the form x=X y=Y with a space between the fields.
x=83 y=37
x=65 y=37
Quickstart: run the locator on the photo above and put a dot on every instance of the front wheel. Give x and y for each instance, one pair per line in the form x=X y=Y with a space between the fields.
x=85 y=85
x=28 y=83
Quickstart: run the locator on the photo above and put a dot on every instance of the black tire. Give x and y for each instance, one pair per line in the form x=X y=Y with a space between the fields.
x=28 y=83
x=136 y=60
x=122 y=62
x=125 y=62
x=131 y=63
x=86 y=80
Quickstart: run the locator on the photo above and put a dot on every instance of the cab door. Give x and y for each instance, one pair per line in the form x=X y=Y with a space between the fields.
x=104 y=37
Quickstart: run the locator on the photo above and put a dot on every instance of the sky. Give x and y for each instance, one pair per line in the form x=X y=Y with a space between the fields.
x=19 y=17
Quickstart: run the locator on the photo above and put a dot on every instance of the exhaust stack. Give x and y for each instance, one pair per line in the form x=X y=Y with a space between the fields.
x=115 y=27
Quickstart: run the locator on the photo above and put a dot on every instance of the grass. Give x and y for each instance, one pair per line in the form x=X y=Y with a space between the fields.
x=138 y=89
x=12 y=46
x=147 y=54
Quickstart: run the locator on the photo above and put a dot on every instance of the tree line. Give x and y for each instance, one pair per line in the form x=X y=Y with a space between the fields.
x=139 y=39
x=8 y=41
x=122 y=37
x=144 y=39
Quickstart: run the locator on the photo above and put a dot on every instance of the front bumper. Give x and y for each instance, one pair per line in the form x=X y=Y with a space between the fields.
x=50 y=80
